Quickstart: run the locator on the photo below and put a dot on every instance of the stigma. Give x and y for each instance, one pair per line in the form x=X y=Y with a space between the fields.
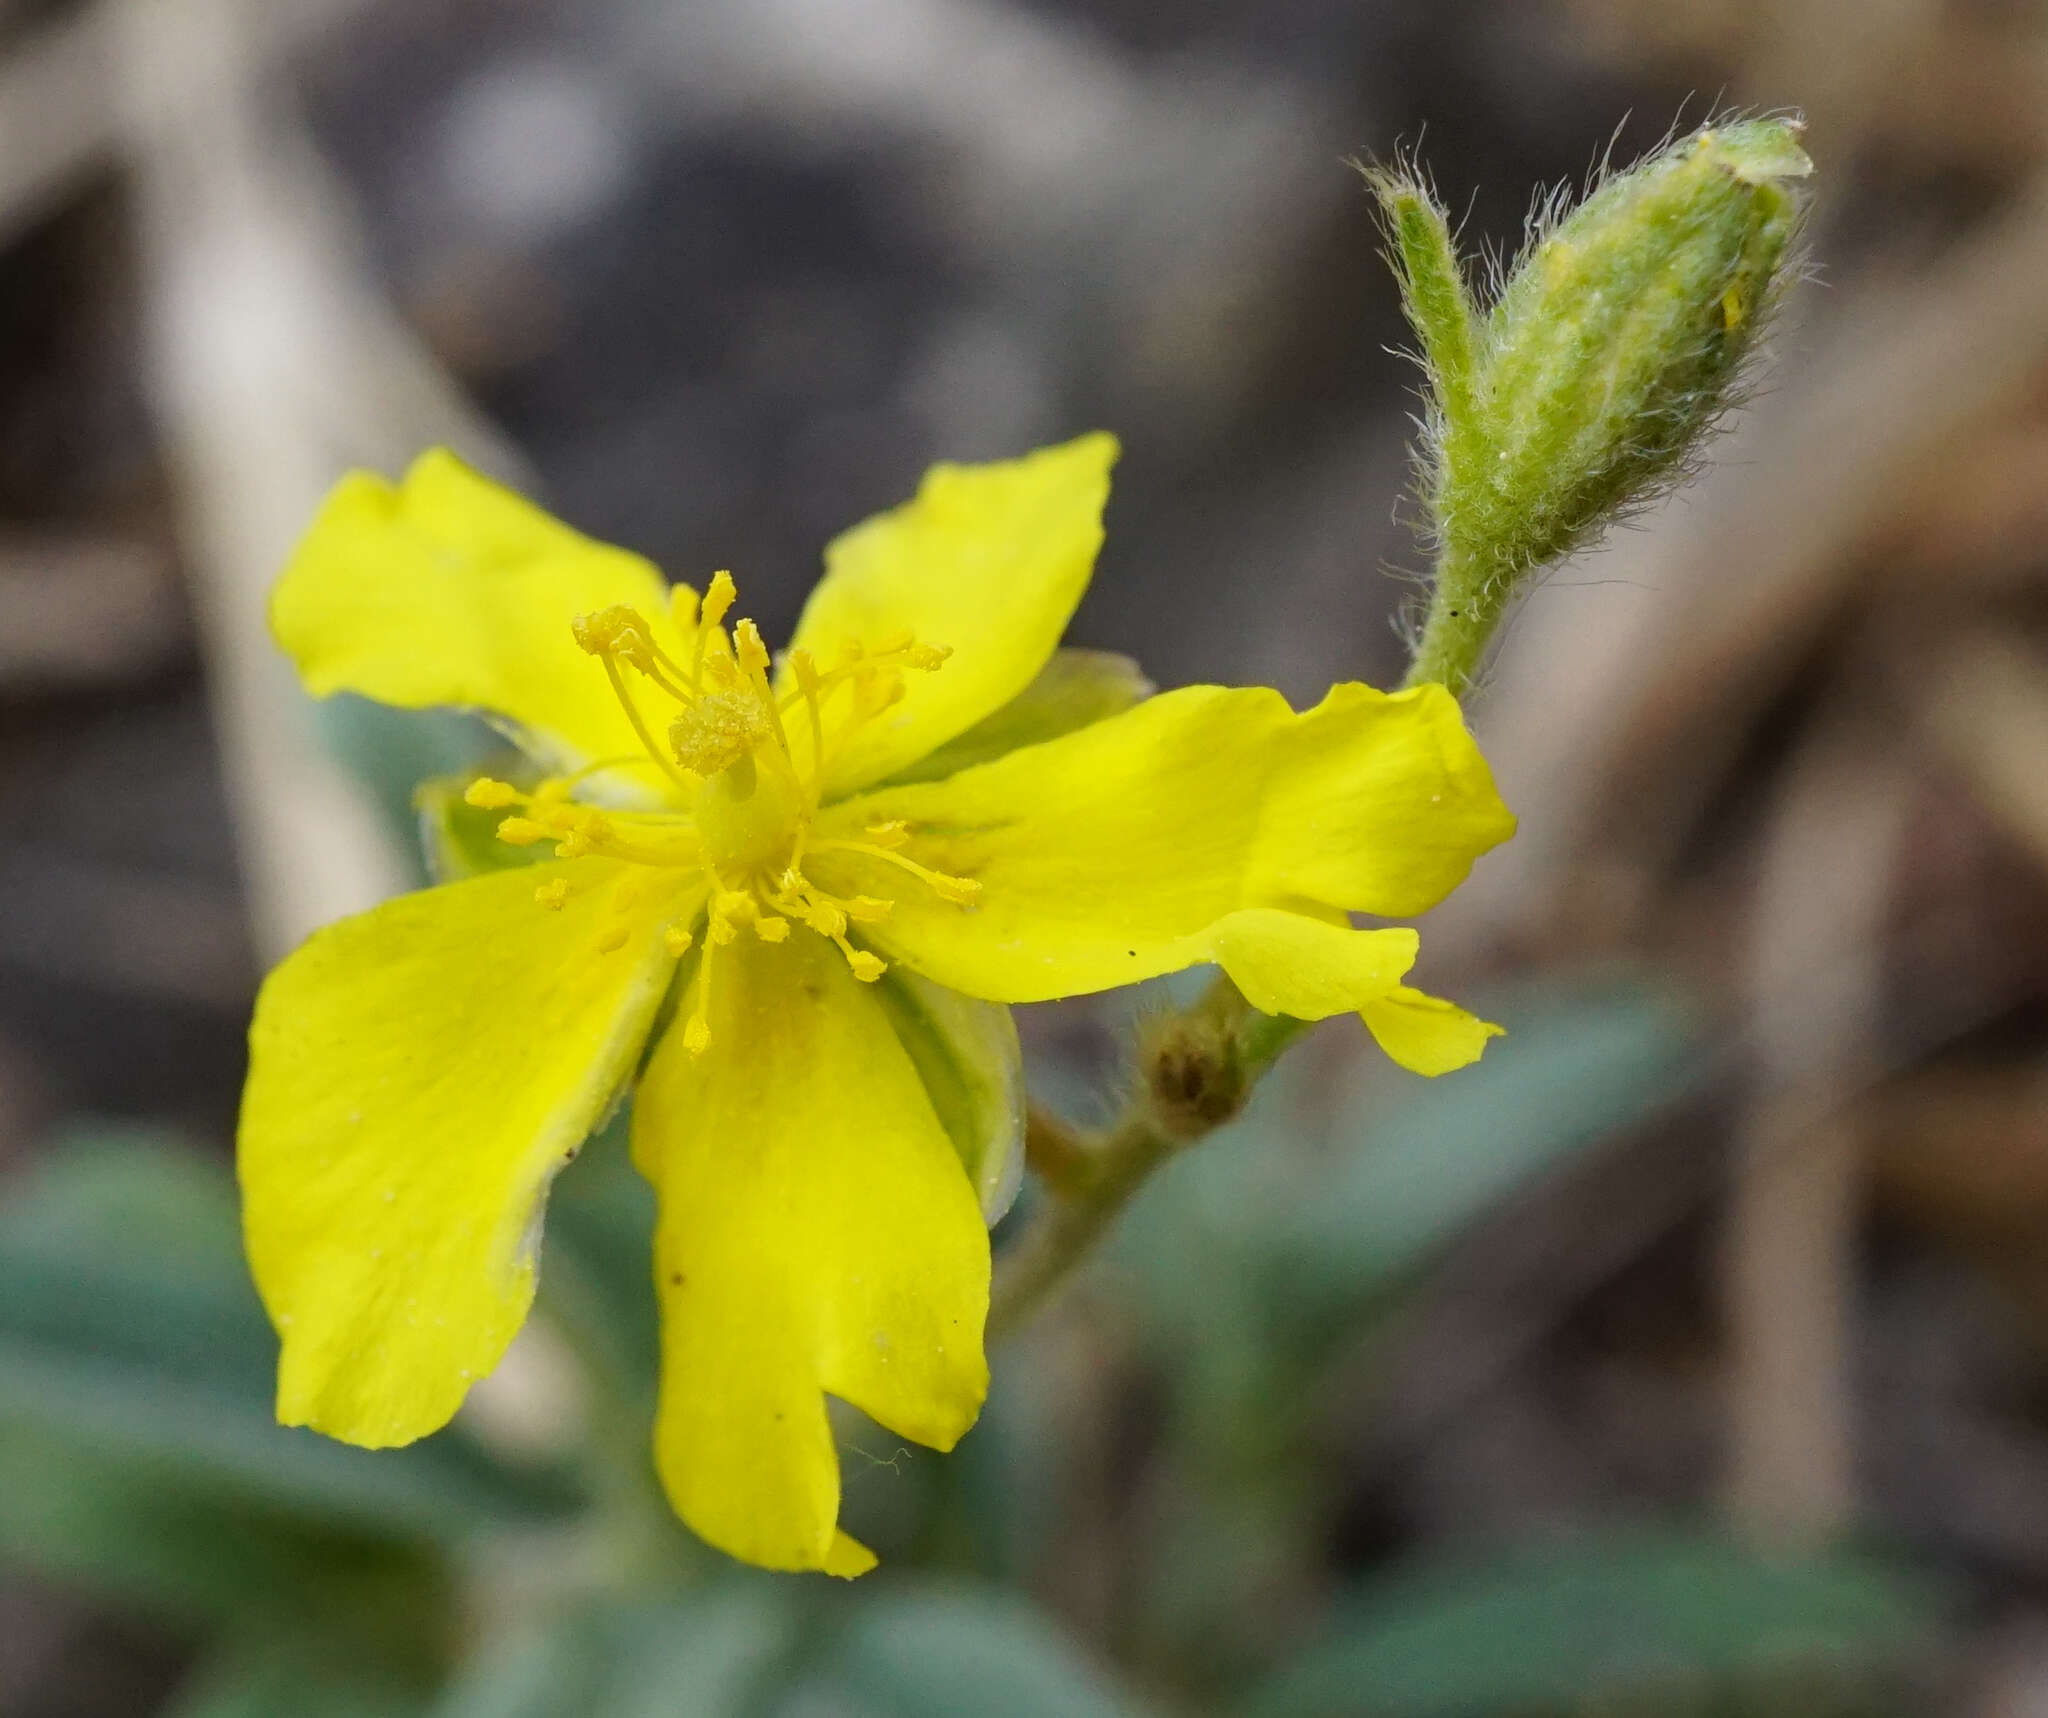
x=743 y=760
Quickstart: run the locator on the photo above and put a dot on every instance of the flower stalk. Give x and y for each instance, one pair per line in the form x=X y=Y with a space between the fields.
x=1607 y=356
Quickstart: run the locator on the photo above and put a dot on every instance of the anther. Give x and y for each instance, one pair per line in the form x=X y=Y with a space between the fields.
x=552 y=894
x=487 y=794
x=929 y=657
x=614 y=631
x=677 y=941
x=682 y=606
x=719 y=598
x=748 y=647
x=771 y=929
x=614 y=937
x=892 y=834
x=824 y=918
x=520 y=831
x=866 y=967
x=697 y=1036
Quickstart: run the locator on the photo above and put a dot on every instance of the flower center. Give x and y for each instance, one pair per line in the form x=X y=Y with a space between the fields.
x=747 y=768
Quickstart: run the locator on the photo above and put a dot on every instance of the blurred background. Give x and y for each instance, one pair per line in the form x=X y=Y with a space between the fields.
x=1689 y=1356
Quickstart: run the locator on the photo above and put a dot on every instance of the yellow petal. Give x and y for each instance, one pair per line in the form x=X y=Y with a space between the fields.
x=417 y=1076
x=987 y=561
x=817 y=1234
x=447 y=589
x=1107 y=855
x=1289 y=963
x=1426 y=1034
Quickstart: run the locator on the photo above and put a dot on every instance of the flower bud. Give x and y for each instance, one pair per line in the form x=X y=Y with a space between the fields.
x=1608 y=354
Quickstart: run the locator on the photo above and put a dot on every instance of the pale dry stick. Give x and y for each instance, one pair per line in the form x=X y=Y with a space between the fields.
x=273 y=367
x=1795 y=1201
x=1983 y=705
x=63 y=115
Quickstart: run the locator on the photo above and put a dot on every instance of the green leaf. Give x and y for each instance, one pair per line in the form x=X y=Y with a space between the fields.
x=1419 y=1161
x=293 y=1680
x=197 y=1557
x=1316 y=1203
x=915 y=1653
x=706 y=1657
x=130 y=1334
x=390 y=750
x=1669 y=1619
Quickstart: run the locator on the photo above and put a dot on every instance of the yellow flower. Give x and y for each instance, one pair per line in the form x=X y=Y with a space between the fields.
x=842 y=867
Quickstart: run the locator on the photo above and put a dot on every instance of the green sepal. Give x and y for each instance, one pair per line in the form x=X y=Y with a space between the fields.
x=460 y=840
x=967 y=1053
x=1075 y=689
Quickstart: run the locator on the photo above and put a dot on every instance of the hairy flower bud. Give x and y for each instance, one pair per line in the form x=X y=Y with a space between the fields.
x=1609 y=352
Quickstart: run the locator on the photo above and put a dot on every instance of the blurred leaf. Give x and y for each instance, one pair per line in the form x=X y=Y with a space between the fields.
x=706 y=1657
x=130 y=1335
x=391 y=751
x=597 y=1275
x=914 y=1653
x=135 y=1533
x=1414 y=1169
x=1317 y=1202
x=1645 y=1616
x=292 y=1681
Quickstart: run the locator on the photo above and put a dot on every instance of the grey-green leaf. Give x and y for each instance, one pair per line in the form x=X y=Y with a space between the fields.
x=708 y=1656
x=129 y=1331
x=915 y=1653
x=1644 y=1620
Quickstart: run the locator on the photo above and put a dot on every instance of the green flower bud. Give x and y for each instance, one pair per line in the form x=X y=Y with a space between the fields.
x=1608 y=354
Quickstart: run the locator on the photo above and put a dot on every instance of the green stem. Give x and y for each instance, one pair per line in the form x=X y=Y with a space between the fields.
x=1464 y=608
x=1200 y=1066
x=1120 y=1162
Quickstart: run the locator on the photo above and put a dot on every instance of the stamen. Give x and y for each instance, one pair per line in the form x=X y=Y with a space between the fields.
x=749 y=650
x=866 y=967
x=520 y=831
x=697 y=1030
x=487 y=794
x=719 y=598
x=625 y=698
x=959 y=890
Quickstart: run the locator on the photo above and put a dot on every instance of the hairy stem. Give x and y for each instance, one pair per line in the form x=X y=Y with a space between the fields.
x=1195 y=1069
